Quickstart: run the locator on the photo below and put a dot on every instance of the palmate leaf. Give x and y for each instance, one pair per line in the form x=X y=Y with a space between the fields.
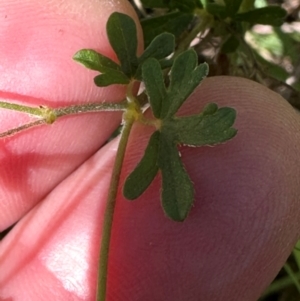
x=177 y=189
x=207 y=128
x=211 y=126
x=122 y=35
x=185 y=76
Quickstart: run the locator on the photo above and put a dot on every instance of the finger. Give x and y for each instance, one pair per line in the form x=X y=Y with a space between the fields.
x=53 y=251
x=245 y=219
x=38 y=40
x=241 y=229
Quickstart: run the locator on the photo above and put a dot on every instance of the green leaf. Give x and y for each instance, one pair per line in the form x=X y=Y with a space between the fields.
x=122 y=35
x=95 y=61
x=207 y=128
x=216 y=10
x=146 y=170
x=175 y=23
x=186 y=75
x=270 y=15
x=112 y=73
x=162 y=46
x=177 y=189
x=271 y=69
x=232 y=6
x=155 y=87
x=209 y=109
x=230 y=45
x=111 y=78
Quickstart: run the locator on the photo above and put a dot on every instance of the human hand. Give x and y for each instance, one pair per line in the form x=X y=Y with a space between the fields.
x=245 y=220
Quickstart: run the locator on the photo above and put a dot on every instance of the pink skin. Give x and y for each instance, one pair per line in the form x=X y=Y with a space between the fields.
x=246 y=215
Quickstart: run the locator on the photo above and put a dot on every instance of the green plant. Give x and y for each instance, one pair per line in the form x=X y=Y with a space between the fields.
x=164 y=77
x=211 y=126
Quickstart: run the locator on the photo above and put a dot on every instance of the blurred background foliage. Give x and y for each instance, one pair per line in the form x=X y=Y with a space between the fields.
x=259 y=40
x=255 y=39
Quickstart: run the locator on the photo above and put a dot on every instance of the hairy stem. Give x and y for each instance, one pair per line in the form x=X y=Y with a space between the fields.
x=21 y=108
x=43 y=112
x=129 y=118
x=21 y=128
x=90 y=107
x=48 y=115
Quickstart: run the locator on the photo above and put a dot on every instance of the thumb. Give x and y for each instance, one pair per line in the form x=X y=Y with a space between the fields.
x=246 y=215
x=38 y=40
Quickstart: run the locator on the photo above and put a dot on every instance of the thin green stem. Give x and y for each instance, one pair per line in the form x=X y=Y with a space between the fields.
x=21 y=108
x=90 y=107
x=110 y=207
x=280 y=284
x=49 y=115
x=203 y=23
x=292 y=275
x=42 y=111
x=21 y=128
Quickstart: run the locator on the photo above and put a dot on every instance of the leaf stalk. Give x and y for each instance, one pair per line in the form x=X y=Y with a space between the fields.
x=129 y=119
x=48 y=115
x=36 y=111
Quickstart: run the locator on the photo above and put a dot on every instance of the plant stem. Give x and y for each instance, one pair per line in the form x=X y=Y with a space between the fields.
x=292 y=275
x=48 y=115
x=90 y=107
x=21 y=128
x=203 y=23
x=110 y=207
x=280 y=284
x=21 y=108
x=42 y=111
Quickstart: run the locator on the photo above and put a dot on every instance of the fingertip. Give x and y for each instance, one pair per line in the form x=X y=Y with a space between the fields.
x=38 y=70
x=246 y=191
